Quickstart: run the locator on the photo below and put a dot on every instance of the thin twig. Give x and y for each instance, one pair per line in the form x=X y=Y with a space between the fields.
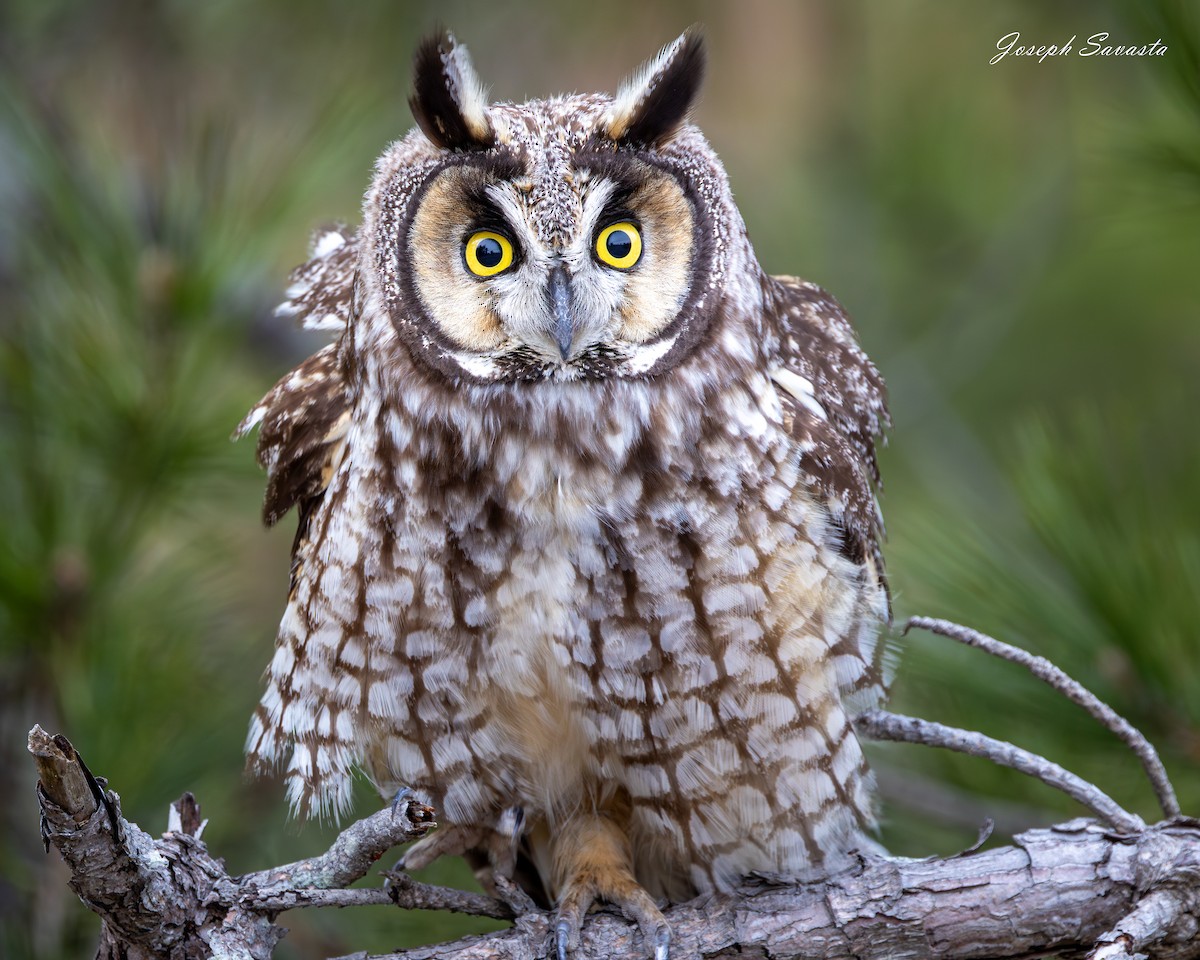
x=404 y=891
x=352 y=854
x=1048 y=673
x=881 y=725
x=401 y=890
x=280 y=900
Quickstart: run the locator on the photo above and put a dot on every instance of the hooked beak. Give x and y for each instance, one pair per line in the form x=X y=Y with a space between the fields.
x=562 y=308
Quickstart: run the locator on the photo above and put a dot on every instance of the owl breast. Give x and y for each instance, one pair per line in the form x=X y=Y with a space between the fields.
x=641 y=616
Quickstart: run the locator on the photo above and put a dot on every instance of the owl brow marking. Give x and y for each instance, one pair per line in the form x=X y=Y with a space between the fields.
x=623 y=170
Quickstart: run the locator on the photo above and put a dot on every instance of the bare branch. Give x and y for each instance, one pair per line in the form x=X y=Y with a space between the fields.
x=402 y=891
x=168 y=898
x=1048 y=673
x=298 y=899
x=1061 y=892
x=881 y=725
x=411 y=894
x=1051 y=894
x=353 y=853
x=60 y=774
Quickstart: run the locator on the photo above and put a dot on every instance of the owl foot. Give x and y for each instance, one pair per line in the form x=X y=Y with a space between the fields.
x=636 y=905
x=593 y=858
x=491 y=852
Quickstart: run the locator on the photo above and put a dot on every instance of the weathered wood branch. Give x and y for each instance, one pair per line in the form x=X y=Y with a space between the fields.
x=169 y=898
x=1056 y=892
x=1062 y=892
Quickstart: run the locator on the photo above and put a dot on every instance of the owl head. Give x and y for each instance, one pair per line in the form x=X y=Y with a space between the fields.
x=576 y=238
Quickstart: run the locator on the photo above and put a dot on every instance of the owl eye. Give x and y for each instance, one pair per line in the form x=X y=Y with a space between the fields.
x=487 y=253
x=619 y=245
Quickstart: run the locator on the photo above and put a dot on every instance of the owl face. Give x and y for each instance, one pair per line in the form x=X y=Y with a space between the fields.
x=494 y=282
x=561 y=240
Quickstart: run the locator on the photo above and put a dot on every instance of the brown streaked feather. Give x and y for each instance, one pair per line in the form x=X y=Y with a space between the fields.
x=321 y=290
x=303 y=422
x=818 y=343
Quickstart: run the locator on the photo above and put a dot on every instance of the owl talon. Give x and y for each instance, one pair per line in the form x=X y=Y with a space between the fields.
x=562 y=938
x=402 y=794
x=636 y=906
x=662 y=942
x=571 y=911
x=642 y=910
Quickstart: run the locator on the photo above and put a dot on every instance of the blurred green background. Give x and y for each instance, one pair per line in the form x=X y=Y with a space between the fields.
x=1018 y=243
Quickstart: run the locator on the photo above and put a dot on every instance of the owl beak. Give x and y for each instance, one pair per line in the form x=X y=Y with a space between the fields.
x=562 y=307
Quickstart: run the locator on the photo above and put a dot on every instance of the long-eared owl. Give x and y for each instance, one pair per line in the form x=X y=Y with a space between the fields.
x=588 y=545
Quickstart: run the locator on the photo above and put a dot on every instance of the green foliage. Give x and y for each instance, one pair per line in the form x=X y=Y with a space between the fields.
x=1018 y=244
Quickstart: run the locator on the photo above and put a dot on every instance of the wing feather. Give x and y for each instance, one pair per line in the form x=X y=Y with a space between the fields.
x=320 y=294
x=837 y=408
x=302 y=428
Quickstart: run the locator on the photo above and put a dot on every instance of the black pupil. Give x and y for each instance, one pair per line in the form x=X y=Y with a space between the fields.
x=619 y=244
x=488 y=252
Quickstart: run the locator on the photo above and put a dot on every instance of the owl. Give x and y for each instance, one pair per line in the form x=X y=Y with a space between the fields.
x=588 y=544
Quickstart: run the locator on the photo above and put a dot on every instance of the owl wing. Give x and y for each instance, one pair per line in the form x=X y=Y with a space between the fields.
x=303 y=419
x=835 y=405
x=303 y=423
x=302 y=428
x=320 y=295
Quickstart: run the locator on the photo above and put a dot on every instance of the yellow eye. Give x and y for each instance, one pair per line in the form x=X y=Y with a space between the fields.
x=619 y=245
x=487 y=253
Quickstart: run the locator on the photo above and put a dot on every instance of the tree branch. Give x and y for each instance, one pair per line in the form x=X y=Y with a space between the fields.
x=1074 y=889
x=1074 y=691
x=169 y=898
x=1052 y=894
x=1056 y=892
x=881 y=725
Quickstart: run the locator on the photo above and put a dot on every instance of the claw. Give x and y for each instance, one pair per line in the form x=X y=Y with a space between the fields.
x=562 y=938
x=640 y=907
x=571 y=911
x=595 y=861
x=401 y=795
x=512 y=823
x=662 y=942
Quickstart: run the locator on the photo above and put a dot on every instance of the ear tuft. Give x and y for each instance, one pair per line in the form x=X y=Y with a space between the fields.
x=653 y=103
x=448 y=102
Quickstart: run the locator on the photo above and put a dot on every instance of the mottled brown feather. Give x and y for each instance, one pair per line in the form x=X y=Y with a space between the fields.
x=818 y=342
x=302 y=424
